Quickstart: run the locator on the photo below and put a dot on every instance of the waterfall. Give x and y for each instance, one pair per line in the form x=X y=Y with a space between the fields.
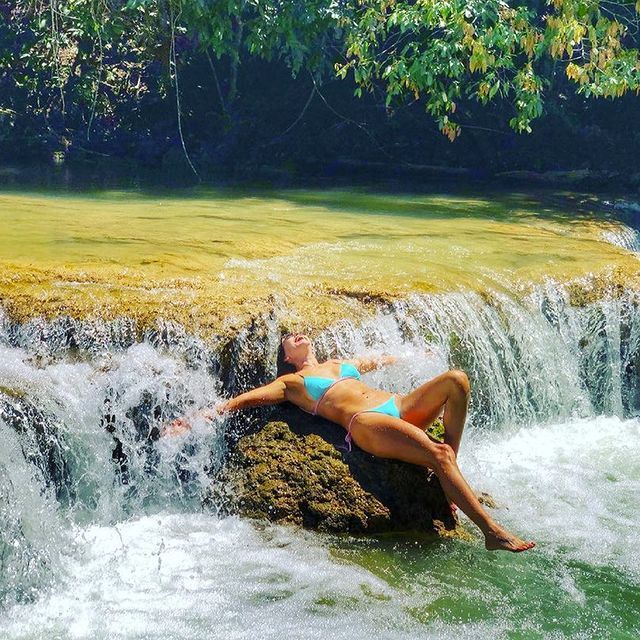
x=80 y=444
x=529 y=360
x=623 y=236
x=81 y=403
x=625 y=232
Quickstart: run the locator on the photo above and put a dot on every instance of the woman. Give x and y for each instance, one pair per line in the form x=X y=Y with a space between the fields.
x=381 y=423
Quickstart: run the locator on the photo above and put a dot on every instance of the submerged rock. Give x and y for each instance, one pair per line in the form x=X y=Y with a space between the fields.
x=286 y=474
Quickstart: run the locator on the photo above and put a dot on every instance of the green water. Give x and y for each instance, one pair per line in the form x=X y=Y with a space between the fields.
x=537 y=597
x=583 y=579
x=110 y=252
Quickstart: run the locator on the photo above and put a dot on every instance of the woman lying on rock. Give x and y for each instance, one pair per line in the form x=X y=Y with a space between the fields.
x=383 y=424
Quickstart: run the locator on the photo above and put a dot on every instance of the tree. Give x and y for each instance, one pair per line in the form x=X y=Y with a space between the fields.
x=70 y=65
x=444 y=52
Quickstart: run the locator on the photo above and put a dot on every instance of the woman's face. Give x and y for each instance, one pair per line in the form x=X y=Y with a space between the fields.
x=296 y=346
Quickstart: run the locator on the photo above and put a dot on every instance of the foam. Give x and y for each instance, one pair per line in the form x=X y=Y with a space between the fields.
x=572 y=486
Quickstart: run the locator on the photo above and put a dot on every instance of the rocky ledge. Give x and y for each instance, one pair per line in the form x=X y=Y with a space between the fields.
x=292 y=472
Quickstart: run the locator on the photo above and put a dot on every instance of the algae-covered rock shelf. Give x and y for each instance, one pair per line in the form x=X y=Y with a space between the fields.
x=299 y=475
x=212 y=260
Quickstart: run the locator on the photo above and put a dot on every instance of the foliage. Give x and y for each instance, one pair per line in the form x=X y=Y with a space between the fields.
x=56 y=39
x=446 y=51
x=69 y=60
x=70 y=66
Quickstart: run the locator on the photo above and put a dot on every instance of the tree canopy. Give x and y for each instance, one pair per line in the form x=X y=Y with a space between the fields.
x=66 y=65
x=445 y=51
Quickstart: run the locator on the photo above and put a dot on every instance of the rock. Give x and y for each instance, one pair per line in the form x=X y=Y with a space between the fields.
x=613 y=285
x=627 y=206
x=286 y=474
x=41 y=439
x=352 y=166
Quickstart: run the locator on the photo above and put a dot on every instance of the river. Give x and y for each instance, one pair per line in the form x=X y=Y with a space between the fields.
x=91 y=547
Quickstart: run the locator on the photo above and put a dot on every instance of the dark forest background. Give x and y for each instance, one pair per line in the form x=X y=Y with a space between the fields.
x=301 y=88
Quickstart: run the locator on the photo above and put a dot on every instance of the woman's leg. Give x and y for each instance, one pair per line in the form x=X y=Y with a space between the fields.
x=424 y=404
x=389 y=437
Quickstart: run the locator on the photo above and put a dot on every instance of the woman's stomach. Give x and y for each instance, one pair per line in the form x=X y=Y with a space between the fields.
x=348 y=398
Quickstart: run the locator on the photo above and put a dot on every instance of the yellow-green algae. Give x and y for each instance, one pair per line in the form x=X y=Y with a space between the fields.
x=211 y=259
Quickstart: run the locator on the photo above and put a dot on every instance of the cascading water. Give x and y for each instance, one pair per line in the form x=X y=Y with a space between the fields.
x=86 y=433
x=625 y=233
x=94 y=504
x=530 y=360
x=623 y=236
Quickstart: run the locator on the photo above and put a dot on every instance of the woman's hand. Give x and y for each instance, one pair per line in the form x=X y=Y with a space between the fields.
x=176 y=428
x=364 y=365
x=183 y=425
x=214 y=412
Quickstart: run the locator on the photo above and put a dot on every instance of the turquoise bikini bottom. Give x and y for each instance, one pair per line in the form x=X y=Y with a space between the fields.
x=387 y=408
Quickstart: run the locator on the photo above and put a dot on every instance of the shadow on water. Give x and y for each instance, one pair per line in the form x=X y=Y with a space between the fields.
x=441 y=199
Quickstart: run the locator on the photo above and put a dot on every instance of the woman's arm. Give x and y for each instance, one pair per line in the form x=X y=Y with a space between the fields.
x=272 y=393
x=363 y=365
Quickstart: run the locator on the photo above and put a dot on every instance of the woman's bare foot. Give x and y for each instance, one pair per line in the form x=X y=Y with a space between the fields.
x=502 y=540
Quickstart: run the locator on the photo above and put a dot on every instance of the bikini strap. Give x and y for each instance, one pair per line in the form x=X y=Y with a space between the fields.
x=347 y=438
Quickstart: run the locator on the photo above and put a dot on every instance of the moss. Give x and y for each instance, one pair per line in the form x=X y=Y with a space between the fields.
x=436 y=430
x=459 y=533
x=12 y=393
x=279 y=475
x=207 y=311
x=458 y=352
x=487 y=500
x=614 y=284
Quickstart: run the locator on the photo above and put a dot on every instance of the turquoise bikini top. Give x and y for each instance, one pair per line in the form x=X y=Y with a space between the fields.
x=316 y=386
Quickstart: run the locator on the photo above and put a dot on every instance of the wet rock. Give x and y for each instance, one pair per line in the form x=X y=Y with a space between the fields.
x=596 y=288
x=292 y=472
x=574 y=177
x=41 y=440
x=352 y=167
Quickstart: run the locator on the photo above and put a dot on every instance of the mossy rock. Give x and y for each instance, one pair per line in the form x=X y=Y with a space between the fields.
x=613 y=285
x=287 y=476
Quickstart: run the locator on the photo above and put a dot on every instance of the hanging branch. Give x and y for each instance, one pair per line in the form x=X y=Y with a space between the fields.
x=294 y=123
x=99 y=78
x=301 y=115
x=173 y=61
x=350 y=120
x=215 y=79
x=55 y=50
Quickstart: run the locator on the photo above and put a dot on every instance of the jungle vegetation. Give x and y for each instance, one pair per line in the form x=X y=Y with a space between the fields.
x=228 y=81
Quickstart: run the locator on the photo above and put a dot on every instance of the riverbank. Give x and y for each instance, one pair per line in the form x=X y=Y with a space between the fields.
x=341 y=172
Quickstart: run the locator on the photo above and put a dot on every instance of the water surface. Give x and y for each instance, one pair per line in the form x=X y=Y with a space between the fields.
x=197 y=251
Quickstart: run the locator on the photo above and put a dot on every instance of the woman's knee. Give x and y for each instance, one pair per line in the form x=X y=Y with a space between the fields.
x=460 y=379
x=444 y=456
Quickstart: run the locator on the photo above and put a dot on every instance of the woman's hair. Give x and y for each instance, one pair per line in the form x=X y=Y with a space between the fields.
x=283 y=367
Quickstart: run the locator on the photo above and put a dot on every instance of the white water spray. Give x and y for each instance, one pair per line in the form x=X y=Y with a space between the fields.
x=94 y=505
